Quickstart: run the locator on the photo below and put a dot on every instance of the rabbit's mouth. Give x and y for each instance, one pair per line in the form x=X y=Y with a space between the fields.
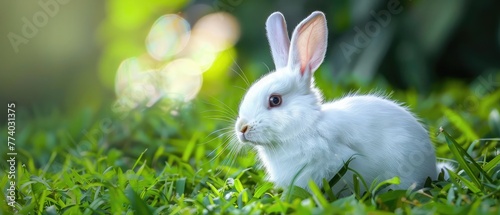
x=242 y=130
x=246 y=138
x=242 y=137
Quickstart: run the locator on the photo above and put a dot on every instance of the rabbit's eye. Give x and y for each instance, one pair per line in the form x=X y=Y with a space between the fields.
x=274 y=100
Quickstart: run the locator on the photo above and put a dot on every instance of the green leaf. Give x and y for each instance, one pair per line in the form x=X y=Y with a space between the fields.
x=460 y=123
x=388 y=182
x=317 y=195
x=341 y=172
x=137 y=204
x=491 y=164
x=242 y=198
x=295 y=192
x=467 y=183
x=238 y=185
x=180 y=186
x=190 y=147
x=328 y=190
x=260 y=190
x=391 y=197
x=460 y=154
x=355 y=180
x=450 y=197
x=139 y=159
x=291 y=188
x=213 y=189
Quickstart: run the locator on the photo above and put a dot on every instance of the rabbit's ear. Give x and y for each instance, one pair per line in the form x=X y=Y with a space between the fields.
x=308 y=46
x=278 y=39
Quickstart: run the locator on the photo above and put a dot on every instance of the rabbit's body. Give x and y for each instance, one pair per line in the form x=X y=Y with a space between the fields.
x=298 y=136
x=344 y=129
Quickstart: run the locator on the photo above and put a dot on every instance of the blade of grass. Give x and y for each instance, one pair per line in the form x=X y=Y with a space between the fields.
x=180 y=186
x=49 y=163
x=355 y=181
x=454 y=181
x=359 y=177
x=238 y=185
x=137 y=204
x=139 y=159
x=296 y=192
x=460 y=153
x=260 y=190
x=291 y=187
x=493 y=163
x=460 y=123
x=242 y=198
x=341 y=172
x=384 y=184
x=190 y=147
x=317 y=195
x=328 y=190
x=467 y=183
x=212 y=187
x=459 y=156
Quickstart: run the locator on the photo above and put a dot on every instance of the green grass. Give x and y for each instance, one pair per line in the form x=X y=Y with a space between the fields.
x=155 y=162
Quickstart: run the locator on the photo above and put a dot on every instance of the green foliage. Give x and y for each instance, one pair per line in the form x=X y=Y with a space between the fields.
x=156 y=162
x=179 y=160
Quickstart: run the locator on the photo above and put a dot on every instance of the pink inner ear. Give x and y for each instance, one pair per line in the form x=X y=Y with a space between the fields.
x=303 y=69
x=311 y=44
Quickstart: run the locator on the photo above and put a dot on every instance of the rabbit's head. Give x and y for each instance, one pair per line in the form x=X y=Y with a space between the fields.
x=285 y=103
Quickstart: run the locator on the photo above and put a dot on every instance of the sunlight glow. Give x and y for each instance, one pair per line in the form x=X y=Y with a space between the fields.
x=182 y=77
x=220 y=30
x=185 y=55
x=168 y=36
x=135 y=86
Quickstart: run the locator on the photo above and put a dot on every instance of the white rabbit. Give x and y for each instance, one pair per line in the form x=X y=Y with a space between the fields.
x=284 y=118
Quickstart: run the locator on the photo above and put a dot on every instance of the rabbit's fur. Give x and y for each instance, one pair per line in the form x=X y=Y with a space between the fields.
x=302 y=133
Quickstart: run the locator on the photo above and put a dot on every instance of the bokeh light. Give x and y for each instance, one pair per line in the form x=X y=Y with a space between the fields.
x=182 y=77
x=220 y=30
x=200 y=50
x=168 y=36
x=186 y=54
x=134 y=86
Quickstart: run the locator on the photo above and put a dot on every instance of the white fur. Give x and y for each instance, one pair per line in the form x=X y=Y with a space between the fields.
x=384 y=138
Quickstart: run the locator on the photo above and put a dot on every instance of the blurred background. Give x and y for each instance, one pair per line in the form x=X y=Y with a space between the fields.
x=66 y=55
x=74 y=67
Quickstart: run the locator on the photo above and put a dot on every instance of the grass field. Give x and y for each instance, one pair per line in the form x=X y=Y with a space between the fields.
x=175 y=161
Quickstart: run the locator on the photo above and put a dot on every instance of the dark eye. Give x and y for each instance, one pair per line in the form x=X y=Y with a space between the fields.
x=275 y=100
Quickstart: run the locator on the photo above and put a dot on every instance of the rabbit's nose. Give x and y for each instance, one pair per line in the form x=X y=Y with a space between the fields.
x=244 y=129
